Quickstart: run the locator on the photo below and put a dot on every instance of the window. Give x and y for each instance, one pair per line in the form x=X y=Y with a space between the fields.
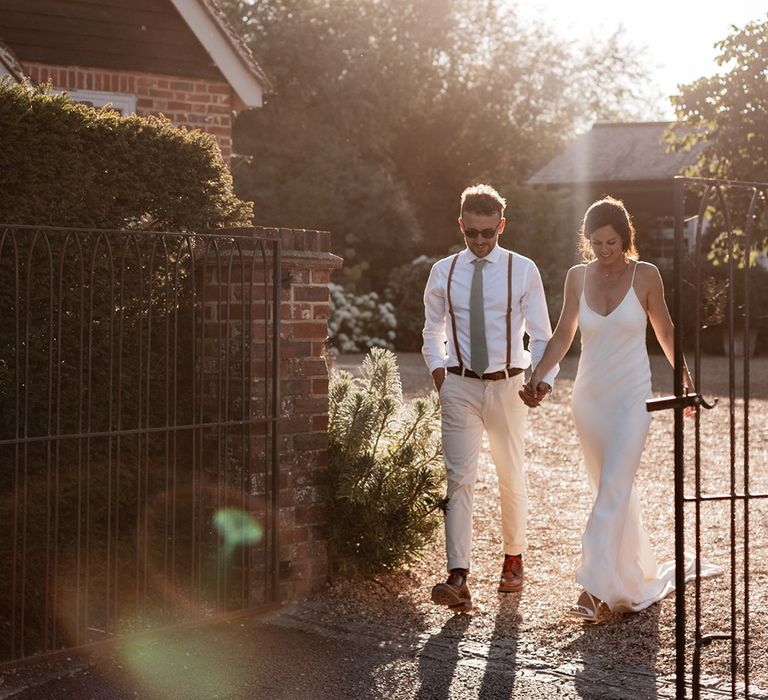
x=121 y=102
x=660 y=244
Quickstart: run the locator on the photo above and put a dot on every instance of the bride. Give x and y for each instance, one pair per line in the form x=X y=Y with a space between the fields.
x=610 y=298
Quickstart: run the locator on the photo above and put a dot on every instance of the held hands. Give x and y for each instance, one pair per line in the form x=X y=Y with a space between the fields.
x=534 y=392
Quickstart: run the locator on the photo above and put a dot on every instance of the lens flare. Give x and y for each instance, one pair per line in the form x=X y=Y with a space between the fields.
x=237 y=528
x=195 y=666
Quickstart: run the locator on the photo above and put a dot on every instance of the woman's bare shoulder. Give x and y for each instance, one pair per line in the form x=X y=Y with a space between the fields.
x=576 y=270
x=647 y=270
x=574 y=279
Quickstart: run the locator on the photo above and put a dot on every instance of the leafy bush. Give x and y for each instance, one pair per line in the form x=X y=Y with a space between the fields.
x=385 y=480
x=716 y=293
x=359 y=321
x=405 y=292
x=714 y=310
x=65 y=164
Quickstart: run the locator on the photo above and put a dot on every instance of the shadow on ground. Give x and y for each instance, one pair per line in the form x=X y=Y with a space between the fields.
x=602 y=650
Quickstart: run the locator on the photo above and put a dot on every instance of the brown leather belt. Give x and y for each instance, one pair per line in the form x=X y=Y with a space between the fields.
x=492 y=376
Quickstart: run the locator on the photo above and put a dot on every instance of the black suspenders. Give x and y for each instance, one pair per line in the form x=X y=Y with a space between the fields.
x=509 y=310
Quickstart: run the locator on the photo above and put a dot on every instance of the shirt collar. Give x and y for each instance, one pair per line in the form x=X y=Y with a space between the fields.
x=493 y=257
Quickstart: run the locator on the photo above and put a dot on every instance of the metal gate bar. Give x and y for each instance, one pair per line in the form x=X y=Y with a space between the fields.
x=139 y=376
x=713 y=190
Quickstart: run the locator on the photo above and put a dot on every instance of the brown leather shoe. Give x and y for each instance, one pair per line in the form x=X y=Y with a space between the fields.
x=454 y=593
x=512 y=575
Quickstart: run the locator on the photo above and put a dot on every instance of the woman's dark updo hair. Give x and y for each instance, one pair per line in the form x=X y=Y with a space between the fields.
x=608 y=212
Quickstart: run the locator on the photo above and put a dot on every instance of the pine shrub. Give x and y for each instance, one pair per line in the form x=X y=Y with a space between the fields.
x=385 y=483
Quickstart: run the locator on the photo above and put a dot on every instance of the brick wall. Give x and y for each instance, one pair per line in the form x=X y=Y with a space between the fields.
x=189 y=102
x=306 y=264
x=303 y=392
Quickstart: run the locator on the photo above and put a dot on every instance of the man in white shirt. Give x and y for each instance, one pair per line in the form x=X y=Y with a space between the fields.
x=478 y=305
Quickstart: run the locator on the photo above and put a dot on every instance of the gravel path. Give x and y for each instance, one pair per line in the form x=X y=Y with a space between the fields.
x=533 y=624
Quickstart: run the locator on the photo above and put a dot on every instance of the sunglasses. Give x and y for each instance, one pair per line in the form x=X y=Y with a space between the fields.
x=485 y=233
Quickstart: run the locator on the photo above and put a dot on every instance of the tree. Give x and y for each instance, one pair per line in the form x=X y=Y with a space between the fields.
x=323 y=181
x=318 y=153
x=727 y=116
x=728 y=112
x=385 y=110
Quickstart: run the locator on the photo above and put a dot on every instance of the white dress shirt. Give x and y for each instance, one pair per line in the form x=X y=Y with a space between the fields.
x=529 y=312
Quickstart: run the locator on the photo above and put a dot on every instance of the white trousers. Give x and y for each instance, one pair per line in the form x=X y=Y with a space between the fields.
x=469 y=407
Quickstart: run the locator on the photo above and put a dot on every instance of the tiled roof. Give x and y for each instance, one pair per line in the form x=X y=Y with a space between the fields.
x=616 y=152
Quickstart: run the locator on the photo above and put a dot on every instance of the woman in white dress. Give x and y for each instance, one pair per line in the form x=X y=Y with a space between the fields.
x=610 y=298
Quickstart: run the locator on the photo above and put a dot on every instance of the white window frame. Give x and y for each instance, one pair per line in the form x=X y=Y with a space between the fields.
x=122 y=101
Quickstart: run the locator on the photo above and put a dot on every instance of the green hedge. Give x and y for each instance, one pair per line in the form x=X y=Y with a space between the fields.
x=65 y=164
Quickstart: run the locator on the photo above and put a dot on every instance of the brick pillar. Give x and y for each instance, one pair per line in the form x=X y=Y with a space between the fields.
x=306 y=264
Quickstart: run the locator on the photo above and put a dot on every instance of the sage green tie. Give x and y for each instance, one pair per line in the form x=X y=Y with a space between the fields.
x=478 y=349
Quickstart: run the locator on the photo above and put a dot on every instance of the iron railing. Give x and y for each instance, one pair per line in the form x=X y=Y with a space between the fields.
x=138 y=430
x=732 y=211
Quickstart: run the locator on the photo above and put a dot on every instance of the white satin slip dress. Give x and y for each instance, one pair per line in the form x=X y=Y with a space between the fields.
x=613 y=381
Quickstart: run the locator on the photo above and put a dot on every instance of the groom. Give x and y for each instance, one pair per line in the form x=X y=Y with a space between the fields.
x=478 y=305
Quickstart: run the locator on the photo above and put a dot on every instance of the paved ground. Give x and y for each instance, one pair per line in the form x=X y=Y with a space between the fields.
x=298 y=653
x=342 y=644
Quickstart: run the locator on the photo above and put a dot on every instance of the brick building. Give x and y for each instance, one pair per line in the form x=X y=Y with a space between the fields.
x=180 y=58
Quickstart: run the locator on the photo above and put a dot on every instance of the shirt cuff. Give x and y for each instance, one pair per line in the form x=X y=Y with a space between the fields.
x=549 y=377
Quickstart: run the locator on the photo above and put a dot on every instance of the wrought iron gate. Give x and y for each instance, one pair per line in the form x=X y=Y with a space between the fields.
x=138 y=431
x=729 y=225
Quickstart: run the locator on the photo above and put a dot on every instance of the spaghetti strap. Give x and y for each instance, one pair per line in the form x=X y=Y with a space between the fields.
x=584 y=281
x=632 y=283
